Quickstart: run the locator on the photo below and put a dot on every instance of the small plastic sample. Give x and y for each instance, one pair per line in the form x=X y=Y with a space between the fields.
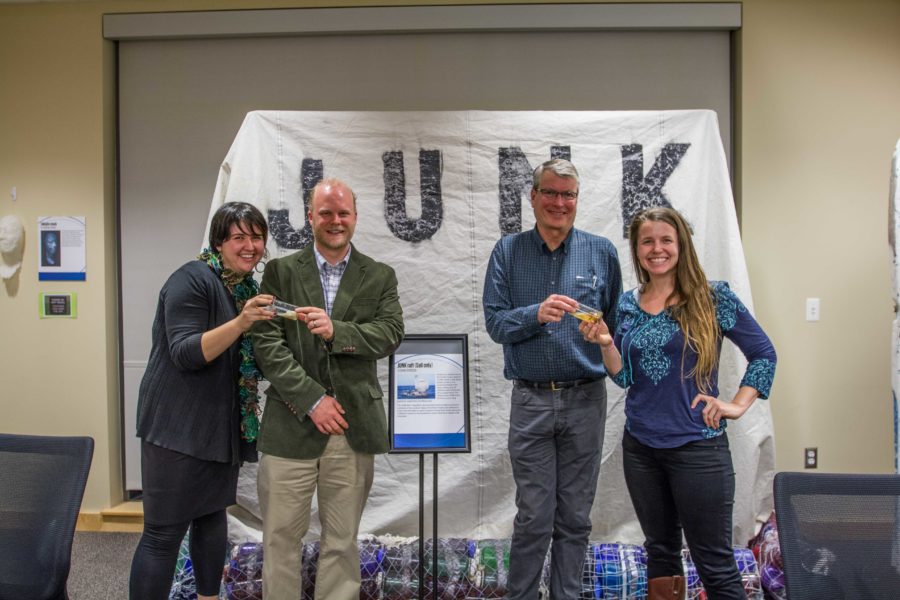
x=283 y=309
x=586 y=313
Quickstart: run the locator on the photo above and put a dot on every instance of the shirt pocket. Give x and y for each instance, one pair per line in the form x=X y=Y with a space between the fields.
x=587 y=288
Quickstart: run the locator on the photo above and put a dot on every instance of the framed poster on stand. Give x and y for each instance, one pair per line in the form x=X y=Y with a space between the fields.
x=428 y=406
x=429 y=394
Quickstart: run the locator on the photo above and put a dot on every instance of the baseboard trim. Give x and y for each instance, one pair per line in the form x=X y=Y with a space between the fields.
x=126 y=517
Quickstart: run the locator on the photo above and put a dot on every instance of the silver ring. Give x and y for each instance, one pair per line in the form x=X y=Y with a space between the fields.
x=315 y=322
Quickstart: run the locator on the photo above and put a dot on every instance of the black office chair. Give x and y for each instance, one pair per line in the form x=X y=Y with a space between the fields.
x=42 y=482
x=839 y=535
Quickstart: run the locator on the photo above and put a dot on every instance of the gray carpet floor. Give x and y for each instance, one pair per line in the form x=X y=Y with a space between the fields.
x=101 y=562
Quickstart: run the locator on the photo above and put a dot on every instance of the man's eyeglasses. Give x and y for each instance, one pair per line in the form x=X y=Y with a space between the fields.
x=552 y=194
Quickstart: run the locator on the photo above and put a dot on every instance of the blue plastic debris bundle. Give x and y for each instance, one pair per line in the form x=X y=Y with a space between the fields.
x=466 y=569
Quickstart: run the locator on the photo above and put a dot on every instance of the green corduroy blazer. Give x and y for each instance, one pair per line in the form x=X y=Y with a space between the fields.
x=368 y=325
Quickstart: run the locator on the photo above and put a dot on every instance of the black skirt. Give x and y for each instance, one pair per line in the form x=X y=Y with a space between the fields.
x=179 y=487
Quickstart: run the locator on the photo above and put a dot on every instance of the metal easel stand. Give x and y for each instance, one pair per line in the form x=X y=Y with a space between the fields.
x=434 y=525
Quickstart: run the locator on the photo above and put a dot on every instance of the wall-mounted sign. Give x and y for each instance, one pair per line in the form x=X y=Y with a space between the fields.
x=61 y=243
x=58 y=306
x=429 y=394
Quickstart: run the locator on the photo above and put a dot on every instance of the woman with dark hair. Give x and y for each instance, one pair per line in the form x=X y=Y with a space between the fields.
x=197 y=405
x=665 y=351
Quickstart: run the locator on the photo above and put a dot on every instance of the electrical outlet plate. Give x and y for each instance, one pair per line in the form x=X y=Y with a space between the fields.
x=812 y=309
x=810 y=458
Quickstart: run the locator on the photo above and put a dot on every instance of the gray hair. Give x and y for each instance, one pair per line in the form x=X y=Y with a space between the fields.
x=559 y=167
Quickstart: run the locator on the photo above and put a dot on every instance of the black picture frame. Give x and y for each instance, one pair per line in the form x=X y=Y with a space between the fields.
x=426 y=369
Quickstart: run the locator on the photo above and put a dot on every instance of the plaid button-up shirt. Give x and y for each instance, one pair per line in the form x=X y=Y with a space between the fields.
x=521 y=274
x=330 y=275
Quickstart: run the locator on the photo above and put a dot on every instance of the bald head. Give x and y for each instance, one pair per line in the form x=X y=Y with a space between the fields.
x=332 y=216
x=328 y=186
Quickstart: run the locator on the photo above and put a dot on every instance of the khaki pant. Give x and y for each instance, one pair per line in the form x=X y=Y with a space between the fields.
x=286 y=486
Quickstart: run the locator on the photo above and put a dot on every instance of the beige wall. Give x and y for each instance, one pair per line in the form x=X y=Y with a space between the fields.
x=817 y=119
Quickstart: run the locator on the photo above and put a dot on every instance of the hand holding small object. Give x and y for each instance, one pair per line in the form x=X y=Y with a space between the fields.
x=256 y=309
x=317 y=321
x=596 y=332
x=555 y=307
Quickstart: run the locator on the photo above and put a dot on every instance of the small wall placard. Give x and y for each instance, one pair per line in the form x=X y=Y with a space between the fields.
x=58 y=306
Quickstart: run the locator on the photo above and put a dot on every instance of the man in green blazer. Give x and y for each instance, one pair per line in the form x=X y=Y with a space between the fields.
x=324 y=419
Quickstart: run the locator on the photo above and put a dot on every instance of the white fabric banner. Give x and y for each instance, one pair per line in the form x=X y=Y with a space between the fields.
x=435 y=192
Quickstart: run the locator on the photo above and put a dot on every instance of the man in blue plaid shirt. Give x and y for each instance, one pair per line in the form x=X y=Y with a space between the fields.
x=535 y=280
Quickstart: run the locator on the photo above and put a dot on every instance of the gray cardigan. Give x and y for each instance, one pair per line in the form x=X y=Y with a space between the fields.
x=186 y=404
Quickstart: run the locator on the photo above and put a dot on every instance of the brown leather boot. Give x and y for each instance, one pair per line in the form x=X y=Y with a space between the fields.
x=666 y=588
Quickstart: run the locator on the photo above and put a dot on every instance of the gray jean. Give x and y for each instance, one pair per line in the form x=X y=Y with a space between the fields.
x=555 y=440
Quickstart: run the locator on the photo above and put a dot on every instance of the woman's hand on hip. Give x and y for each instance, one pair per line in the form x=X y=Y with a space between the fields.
x=716 y=410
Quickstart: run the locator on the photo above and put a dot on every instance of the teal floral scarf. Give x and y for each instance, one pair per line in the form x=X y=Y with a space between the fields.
x=242 y=287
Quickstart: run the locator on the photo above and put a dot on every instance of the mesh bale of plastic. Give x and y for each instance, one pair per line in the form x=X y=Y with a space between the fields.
x=243 y=575
x=750 y=575
x=489 y=568
x=746 y=564
x=614 y=572
x=452 y=569
x=309 y=566
x=467 y=569
x=371 y=568
x=767 y=550
x=401 y=571
x=184 y=585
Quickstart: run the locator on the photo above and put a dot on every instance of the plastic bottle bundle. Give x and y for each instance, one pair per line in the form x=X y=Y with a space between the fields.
x=371 y=557
x=466 y=569
x=544 y=585
x=308 y=569
x=184 y=586
x=746 y=565
x=767 y=551
x=452 y=569
x=615 y=572
x=243 y=576
x=489 y=568
x=692 y=583
x=589 y=573
x=400 y=564
x=750 y=575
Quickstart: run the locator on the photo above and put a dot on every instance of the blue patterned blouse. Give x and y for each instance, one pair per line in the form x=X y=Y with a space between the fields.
x=658 y=404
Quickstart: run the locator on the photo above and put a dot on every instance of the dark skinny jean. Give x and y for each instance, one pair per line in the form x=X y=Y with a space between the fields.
x=689 y=488
x=154 y=560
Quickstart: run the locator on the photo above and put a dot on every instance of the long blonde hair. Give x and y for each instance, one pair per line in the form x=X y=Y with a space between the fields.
x=693 y=306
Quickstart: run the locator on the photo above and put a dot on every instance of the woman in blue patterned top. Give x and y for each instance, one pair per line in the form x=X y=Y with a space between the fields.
x=665 y=351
